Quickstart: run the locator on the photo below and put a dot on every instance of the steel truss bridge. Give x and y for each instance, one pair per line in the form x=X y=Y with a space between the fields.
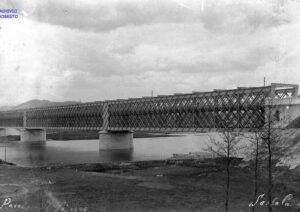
x=241 y=108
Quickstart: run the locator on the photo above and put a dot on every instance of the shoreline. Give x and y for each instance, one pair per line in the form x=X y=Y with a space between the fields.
x=157 y=185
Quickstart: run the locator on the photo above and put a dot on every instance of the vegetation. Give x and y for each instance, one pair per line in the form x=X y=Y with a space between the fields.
x=272 y=147
x=226 y=148
x=266 y=149
x=256 y=153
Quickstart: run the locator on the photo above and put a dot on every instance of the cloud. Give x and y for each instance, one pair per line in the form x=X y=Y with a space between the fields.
x=104 y=16
x=29 y=65
x=94 y=50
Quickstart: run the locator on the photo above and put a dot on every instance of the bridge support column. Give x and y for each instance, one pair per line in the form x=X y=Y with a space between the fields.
x=33 y=135
x=115 y=140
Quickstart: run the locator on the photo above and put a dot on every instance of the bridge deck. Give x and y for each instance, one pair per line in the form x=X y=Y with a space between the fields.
x=242 y=108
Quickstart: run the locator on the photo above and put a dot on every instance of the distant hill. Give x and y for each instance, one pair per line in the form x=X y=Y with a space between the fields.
x=37 y=103
x=2 y=108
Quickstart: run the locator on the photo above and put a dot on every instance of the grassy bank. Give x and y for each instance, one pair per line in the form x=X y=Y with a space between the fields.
x=167 y=185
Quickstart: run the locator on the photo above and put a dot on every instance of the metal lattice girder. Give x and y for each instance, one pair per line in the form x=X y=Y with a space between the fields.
x=280 y=90
x=81 y=116
x=11 y=118
x=242 y=108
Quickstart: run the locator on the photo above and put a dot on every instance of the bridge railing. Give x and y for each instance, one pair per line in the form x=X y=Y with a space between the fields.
x=238 y=108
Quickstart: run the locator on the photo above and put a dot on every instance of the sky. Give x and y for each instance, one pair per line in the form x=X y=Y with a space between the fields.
x=90 y=50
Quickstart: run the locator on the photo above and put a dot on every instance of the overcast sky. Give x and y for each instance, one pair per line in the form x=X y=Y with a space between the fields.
x=96 y=50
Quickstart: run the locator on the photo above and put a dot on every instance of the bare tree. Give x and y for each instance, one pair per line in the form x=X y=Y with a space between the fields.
x=272 y=136
x=255 y=140
x=226 y=148
x=269 y=142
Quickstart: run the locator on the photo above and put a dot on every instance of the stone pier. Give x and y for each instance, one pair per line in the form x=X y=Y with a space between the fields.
x=115 y=140
x=33 y=135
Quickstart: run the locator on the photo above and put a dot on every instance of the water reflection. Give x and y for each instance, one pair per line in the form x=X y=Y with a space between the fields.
x=87 y=151
x=33 y=151
x=116 y=155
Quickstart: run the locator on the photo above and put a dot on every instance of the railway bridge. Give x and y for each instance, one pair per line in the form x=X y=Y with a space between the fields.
x=242 y=109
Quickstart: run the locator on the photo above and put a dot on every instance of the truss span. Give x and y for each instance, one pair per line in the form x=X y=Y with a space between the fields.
x=242 y=108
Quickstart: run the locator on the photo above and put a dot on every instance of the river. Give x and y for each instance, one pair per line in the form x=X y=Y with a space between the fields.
x=87 y=151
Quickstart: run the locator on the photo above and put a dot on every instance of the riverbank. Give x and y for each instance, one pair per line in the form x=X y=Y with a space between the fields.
x=162 y=185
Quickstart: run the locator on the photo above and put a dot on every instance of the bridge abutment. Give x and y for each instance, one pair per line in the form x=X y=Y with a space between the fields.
x=115 y=140
x=33 y=135
x=285 y=110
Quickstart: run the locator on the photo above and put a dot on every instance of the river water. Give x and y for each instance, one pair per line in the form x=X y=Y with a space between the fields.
x=87 y=151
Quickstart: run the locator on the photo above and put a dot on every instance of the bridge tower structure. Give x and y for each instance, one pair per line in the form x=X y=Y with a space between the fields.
x=243 y=108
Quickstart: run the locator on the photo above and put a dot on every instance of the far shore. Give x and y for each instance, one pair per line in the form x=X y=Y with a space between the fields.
x=85 y=135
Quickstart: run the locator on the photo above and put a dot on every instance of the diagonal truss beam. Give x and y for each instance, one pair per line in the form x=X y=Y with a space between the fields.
x=237 y=108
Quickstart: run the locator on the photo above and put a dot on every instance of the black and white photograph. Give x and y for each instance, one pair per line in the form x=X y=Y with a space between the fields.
x=149 y=106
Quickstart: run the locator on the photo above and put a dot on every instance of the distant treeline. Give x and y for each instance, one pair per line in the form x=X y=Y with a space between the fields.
x=82 y=135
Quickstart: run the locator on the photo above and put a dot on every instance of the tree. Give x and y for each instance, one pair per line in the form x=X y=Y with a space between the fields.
x=255 y=140
x=269 y=140
x=272 y=136
x=226 y=148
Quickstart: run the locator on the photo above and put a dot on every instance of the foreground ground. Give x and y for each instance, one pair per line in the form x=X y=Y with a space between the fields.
x=186 y=185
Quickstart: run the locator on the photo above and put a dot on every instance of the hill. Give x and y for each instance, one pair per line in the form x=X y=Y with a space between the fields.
x=5 y=107
x=37 y=103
